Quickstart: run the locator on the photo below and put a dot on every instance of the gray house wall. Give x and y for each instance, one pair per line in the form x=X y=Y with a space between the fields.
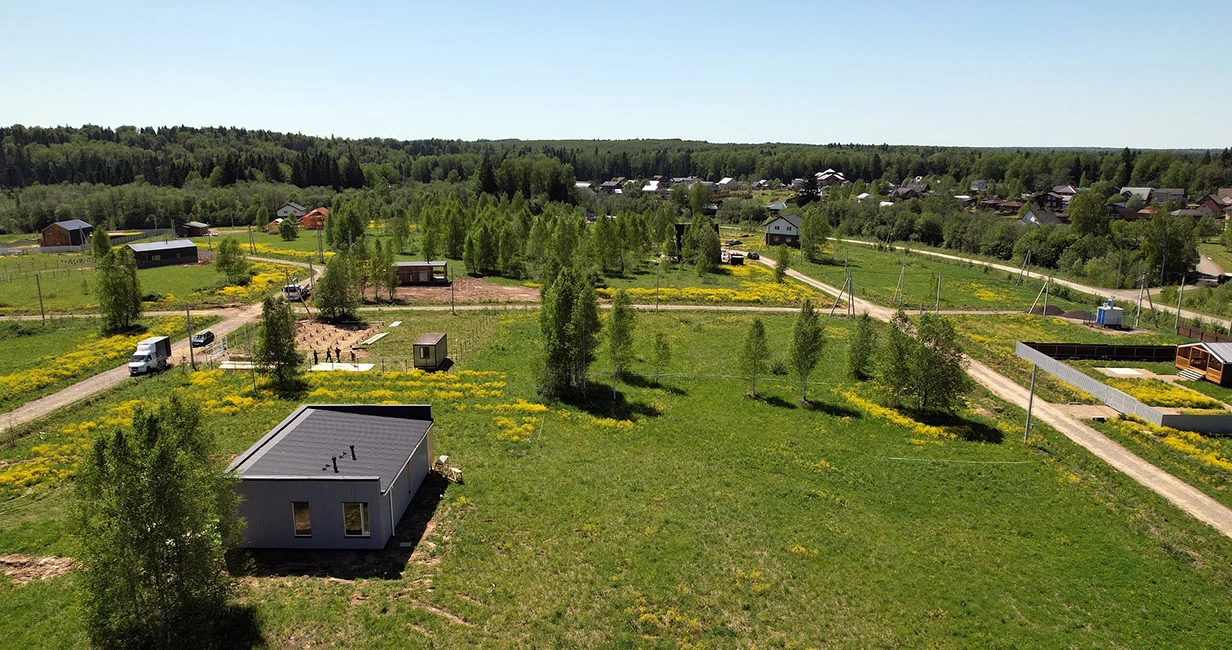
x=402 y=490
x=266 y=509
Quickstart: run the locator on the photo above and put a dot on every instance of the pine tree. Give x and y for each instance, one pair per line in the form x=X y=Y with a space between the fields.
x=753 y=354
x=276 y=355
x=807 y=342
x=155 y=514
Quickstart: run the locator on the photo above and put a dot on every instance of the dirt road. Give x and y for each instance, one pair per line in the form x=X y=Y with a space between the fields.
x=1181 y=494
x=98 y=383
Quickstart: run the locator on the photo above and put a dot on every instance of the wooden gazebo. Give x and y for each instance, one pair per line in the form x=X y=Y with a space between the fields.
x=1206 y=359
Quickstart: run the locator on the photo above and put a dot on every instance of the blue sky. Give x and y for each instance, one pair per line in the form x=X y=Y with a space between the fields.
x=1097 y=73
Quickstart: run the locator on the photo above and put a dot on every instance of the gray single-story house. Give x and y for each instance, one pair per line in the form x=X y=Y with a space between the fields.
x=164 y=253
x=431 y=350
x=334 y=476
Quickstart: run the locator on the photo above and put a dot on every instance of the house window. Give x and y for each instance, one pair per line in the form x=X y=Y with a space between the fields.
x=303 y=522
x=776 y=227
x=355 y=519
x=423 y=352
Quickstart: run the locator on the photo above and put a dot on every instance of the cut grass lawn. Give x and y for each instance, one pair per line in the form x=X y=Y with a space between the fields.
x=684 y=513
x=178 y=287
x=41 y=360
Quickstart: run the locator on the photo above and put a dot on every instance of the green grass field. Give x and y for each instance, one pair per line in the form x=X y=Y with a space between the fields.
x=685 y=515
x=963 y=286
x=68 y=291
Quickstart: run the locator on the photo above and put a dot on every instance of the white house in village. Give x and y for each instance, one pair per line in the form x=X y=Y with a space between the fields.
x=291 y=210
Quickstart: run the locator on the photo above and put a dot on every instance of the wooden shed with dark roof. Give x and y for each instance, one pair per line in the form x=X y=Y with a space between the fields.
x=164 y=253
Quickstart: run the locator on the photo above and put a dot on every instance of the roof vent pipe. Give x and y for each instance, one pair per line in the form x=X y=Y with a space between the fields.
x=335 y=459
x=352 y=452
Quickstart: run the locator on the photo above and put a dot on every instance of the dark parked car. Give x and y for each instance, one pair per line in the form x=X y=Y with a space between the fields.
x=753 y=255
x=733 y=242
x=202 y=338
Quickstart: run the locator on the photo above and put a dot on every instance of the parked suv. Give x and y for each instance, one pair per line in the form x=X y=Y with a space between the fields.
x=202 y=338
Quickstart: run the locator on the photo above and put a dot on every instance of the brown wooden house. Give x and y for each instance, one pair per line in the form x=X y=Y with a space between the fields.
x=422 y=272
x=1206 y=359
x=73 y=232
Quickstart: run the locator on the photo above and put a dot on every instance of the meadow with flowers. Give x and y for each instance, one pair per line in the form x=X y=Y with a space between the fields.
x=681 y=514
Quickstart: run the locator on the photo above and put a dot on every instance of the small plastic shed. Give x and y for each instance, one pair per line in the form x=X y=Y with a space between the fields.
x=431 y=350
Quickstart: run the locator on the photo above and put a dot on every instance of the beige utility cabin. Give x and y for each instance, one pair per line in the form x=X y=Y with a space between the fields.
x=431 y=350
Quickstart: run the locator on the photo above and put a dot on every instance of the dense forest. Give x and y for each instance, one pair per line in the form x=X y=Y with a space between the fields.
x=501 y=204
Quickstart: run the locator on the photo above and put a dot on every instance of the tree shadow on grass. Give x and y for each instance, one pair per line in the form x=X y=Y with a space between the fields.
x=969 y=430
x=642 y=382
x=599 y=402
x=775 y=400
x=236 y=626
x=836 y=410
x=387 y=563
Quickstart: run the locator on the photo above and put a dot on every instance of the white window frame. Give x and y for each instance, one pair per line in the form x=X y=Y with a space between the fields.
x=295 y=523
x=364 y=524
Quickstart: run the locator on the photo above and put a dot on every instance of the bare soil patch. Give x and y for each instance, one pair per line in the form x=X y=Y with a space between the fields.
x=24 y=568
x=466 y=290
x=315 y=335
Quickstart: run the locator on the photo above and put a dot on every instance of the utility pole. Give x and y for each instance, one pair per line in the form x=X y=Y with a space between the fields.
x=1138 y=312
x=192 y=359
x=252 y=246
x=937 y=308
x=1176 y=327
x=320 y=249
x=1030 y=403
x=42 y=312
x=1046 y=286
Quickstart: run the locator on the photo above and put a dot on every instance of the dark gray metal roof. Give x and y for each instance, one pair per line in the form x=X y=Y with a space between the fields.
x=304 y=445
x=420 y=264
x=1222 y=351
x=154 y=247
x=72 y=224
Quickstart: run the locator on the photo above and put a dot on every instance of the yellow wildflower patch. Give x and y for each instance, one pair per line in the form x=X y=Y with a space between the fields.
x=1156 y=392
x=878 y=411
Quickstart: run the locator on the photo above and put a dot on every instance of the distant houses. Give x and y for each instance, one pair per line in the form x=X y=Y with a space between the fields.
x=1038 y=217
x=73 y=232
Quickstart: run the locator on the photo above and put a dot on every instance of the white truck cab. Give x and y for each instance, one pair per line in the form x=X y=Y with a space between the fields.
x=152 y=355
